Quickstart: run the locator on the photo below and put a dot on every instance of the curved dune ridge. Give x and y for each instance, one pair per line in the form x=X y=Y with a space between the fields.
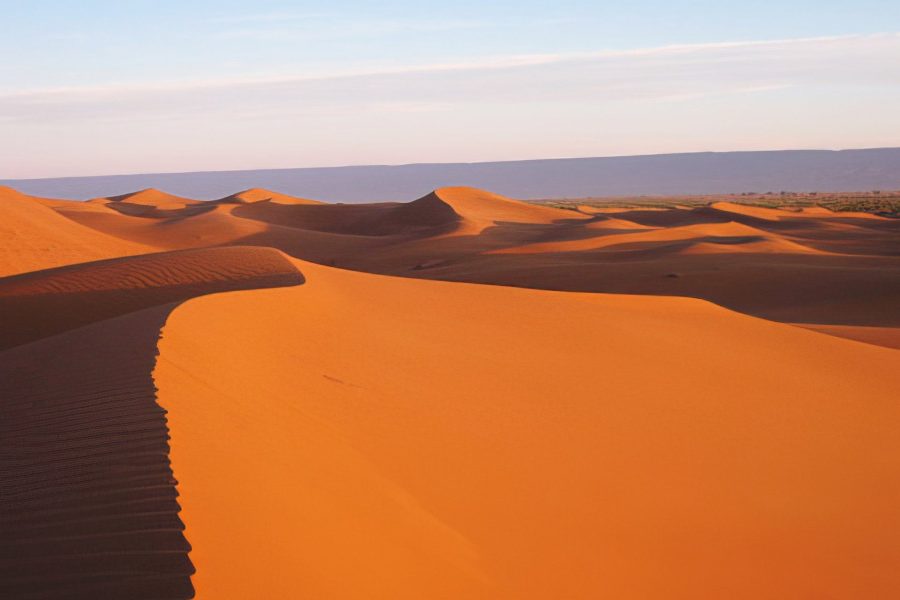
x=34 y=236
x=391 y=446
x=43 y=303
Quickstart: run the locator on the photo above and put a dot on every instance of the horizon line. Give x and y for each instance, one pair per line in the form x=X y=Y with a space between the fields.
x=441 y=163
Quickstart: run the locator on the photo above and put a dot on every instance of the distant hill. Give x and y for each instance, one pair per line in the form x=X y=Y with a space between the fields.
x=660 y=174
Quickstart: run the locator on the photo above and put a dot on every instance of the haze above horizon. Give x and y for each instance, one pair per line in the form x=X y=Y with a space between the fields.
x=102 y=88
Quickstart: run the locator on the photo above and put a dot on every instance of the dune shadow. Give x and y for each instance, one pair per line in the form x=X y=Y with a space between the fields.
x=88 y=499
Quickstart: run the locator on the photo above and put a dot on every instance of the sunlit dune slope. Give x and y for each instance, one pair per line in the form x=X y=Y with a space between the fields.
x=369 y=437
x=43 y=303
x=34 y=236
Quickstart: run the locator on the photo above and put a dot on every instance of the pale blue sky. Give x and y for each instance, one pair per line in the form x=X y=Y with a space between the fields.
x=102 y=87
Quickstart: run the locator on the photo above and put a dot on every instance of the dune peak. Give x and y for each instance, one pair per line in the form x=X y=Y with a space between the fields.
x=152 y=197
x=481 y=205
x=253 y=195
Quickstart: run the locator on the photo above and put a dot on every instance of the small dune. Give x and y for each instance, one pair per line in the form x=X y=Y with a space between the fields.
x=778 y=214
x=756 y=212
x=254 y=195
x=483 y=209
x=716 y=237
x=612 y=223
x=751 y=245
x=155 y=198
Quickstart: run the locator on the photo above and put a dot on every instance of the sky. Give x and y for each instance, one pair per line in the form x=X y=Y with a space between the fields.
x=105 y=87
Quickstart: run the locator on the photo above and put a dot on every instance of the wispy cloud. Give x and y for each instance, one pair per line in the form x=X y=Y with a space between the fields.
x=661 y=73
x=307 y=26
x=319 y=28
x=272 y=17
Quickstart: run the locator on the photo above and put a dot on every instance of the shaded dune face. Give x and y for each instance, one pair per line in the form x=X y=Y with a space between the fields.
x=89 y=502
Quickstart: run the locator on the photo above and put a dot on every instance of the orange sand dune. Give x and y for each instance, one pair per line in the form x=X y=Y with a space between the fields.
x=89 y=499
x=481 y=209
x=778 y=214
x=260 y=195
x=458 y=210
x=156 y=204
x=613 y=223
x=757 y=212
x=34 y=236
x=752 y=245
x=202 y=226
x=155 y=198
x=382 y=219
x=731 y=237
x=481 y=205
x=888 y=337
x=362 y=436
x=609 y=210
x=792 y=288
x=44 y=303
x=373 y=437
x=225 y=225
x=345 y=219
x=804 y=266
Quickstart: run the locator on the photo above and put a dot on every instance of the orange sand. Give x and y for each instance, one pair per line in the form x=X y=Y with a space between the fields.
x=370 y=437
x=34 y=236
x=361 y=436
